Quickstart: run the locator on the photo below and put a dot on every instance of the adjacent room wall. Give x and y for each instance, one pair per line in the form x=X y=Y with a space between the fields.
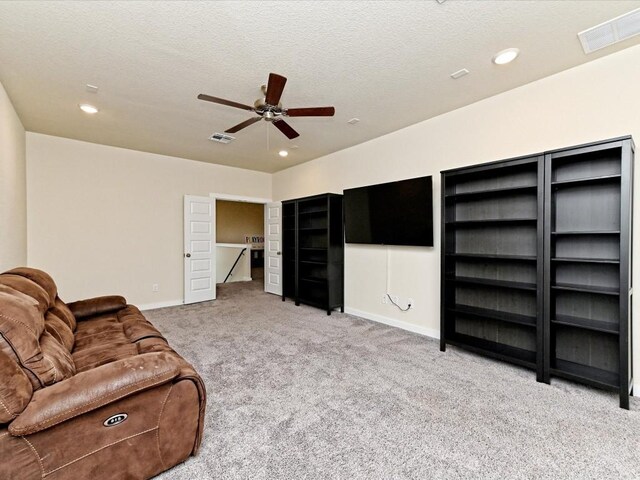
x=225 y=259
x=13 y=187
x=107 y=220
x=594 y=101
x=234 y=220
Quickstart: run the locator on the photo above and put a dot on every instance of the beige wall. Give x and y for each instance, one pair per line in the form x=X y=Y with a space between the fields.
x=595 y=101
x=13 y=187
x=109 y=220
x=234 y=220
x=103 y=219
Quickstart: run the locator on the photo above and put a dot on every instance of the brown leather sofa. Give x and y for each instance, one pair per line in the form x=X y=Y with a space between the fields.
x=89 y=390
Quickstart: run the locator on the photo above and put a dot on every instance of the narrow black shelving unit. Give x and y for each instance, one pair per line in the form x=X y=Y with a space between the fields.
x=536 y=262
x=492 y=276
x=588 y=193
x=313 y=251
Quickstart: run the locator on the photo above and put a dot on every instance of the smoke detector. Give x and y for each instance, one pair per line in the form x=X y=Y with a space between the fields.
x=222 y=138
x=610 y=32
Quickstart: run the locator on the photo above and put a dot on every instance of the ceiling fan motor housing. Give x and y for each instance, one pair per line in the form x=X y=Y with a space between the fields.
x=266 y=111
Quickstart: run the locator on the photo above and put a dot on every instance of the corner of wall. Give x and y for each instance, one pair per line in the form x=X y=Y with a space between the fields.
x=13 y=186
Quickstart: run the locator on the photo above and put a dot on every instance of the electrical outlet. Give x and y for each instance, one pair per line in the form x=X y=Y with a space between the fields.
x=410 y=302
x=155 y=287
x=384 y=299
x=396 y=298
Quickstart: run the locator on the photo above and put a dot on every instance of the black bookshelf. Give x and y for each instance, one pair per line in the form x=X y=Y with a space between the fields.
x=492 y=260
x=588 y=194
x=536 y=262
x=313 y=251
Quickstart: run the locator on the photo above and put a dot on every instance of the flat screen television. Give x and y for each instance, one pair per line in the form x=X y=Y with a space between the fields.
x=396 y=213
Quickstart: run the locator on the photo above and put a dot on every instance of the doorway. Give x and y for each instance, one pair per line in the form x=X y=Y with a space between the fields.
x=260 y=262
x=271 y=253
x=239 y=241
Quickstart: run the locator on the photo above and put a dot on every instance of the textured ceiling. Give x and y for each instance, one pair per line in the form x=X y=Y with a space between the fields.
x=386 y=63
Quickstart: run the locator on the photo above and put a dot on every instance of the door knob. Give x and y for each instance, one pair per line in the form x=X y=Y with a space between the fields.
x=279 y=253
x=188 y=255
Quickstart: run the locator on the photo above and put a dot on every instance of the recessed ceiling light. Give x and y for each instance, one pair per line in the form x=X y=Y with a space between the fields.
x=283 y=153
x=86 y=108
x=506 y=56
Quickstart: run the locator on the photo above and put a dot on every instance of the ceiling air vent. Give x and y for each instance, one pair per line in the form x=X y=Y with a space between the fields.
x=221 y=138
x=614 y=31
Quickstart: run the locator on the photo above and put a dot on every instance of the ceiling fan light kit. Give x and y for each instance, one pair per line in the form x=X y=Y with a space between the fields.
x=270 y=109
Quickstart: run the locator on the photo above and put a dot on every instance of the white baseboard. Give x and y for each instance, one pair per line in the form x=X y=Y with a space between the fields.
x=152 y=306
x=392 y=322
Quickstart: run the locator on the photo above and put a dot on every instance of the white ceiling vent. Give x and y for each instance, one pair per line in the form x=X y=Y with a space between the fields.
x=614 y=31
x=221 y=138
x=460 y=73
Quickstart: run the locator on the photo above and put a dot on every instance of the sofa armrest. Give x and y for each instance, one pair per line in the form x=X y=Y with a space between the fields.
x=95 y=388
x=97 y=306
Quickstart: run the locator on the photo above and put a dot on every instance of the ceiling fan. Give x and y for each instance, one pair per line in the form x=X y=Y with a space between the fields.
x=270 y=109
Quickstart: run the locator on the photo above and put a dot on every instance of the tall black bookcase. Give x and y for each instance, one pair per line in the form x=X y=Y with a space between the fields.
x=536 y=262
x=313 y=251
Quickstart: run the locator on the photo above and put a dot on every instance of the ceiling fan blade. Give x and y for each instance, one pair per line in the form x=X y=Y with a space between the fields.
x=285 y=128
x=311 y=112
x=244 y=124
x=222 y=101
x=275 y=88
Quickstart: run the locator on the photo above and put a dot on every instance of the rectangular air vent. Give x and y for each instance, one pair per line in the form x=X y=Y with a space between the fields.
x=221 y=138
x=460 y=73
x=610 y=32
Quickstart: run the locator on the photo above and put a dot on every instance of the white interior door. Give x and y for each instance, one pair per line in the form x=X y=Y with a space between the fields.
x=199 y=249
x=273 y=248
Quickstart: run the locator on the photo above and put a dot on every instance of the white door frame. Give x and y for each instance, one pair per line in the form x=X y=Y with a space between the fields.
x=237 y=198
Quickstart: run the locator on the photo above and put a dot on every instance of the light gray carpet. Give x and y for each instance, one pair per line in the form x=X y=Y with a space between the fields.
x=295 y=394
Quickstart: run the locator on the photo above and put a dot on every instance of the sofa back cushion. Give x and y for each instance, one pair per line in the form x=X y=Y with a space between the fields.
x=28 y=288
x=60 y=330
x=15 y=389
x=40 y=278
x=23 y=338
x=62 y=311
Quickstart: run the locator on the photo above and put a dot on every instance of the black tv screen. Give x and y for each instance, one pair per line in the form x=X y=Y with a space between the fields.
x=396 y=213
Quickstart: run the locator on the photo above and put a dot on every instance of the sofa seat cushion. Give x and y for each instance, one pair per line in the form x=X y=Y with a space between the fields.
x=113 y=336
x=98 y=331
